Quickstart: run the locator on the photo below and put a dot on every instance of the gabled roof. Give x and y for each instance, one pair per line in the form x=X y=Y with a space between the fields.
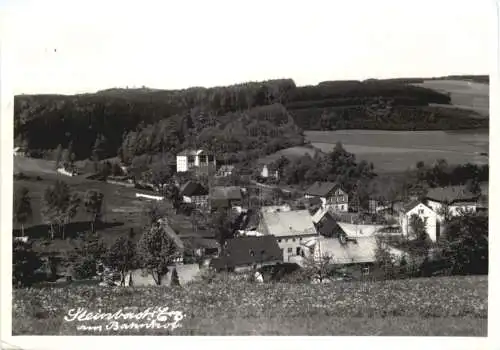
x=314 y=201
x=192 y=188
x=249 y=250
x=452 y=194
x=360 y=250
x=409 y=206
x=319 y=215
x=288 y=223
x=321 y=189
x=353 y=230
x=328 y=226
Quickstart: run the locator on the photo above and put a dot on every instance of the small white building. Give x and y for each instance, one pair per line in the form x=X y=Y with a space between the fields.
x=428 y=215
x=189 y=159
x=268 y=172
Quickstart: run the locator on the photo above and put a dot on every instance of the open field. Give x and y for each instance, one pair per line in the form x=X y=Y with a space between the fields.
x=462 y=93
x=453 y=306
x=34 y=165
x=395 y=151
x=122 y=211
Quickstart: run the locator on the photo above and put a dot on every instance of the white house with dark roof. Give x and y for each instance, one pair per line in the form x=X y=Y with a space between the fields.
x=290 y=228
x=191 y=158
x=331 y=194
x=457 y=198
x=429 y=216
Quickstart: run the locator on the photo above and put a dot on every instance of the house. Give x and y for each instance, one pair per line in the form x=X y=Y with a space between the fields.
x=247 y=253
x=225 y=170
x=290 y=228
x=190 y=159
x=457 y=198
x=326 y=224
x=19 y=151
x=331 y=195
x=201 y=247
x=429 y=216
x=226 y=198
x=361 y=230
x=342 y=251
x=194 y=193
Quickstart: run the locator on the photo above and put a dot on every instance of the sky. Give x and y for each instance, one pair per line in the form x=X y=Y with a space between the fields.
x=78 y=46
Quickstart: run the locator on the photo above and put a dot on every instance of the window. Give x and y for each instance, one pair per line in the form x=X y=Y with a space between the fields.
x=279 y=240
x=190 y=159
x=420 y=211
x=300 y=239
x=293 y=239
x=298 y=251
x=290 y=250
x=282 y=251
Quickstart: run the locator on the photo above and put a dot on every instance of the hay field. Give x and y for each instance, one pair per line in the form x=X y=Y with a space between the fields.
x=395 y=151
x=463 y=94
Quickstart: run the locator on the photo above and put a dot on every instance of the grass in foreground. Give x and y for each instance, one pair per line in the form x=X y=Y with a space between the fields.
x=454 y=306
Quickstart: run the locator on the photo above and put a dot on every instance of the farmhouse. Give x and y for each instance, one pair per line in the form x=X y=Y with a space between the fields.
x=457 y=198
x=194 y=193
x=425 y=213
x=331 y=195
x=190 y=159
x=246 y=253
x=344 y=251
x=290 y=228
x=226 y=198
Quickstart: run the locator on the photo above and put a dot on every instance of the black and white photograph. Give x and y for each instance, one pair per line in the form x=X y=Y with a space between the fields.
x=227 y=168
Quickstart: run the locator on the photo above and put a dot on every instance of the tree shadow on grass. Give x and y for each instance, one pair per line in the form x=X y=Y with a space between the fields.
x=72 y=229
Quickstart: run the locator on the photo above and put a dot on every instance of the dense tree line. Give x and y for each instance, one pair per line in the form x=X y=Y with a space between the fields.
x=441 y=174
x=337 y=166
x=135 y=122
x=387 y=115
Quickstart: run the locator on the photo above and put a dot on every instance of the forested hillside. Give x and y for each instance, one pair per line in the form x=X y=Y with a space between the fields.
x=242 y=121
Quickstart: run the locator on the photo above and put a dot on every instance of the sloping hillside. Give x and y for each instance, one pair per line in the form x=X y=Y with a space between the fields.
x=243 y=118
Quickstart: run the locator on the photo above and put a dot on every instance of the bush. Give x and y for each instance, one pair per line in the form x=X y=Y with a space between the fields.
x=84 y=268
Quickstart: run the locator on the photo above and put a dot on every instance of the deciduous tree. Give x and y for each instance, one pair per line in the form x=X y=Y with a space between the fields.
x=93 y=205
x=156 y=251
x=22 y=207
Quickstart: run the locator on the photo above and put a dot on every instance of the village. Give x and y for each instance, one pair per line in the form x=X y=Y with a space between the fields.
x=274 y=234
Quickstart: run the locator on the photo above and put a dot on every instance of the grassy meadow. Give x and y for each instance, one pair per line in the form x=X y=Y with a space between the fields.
x=445 y=306
x=121 y=209
x=464 y=94
x=396 y=151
